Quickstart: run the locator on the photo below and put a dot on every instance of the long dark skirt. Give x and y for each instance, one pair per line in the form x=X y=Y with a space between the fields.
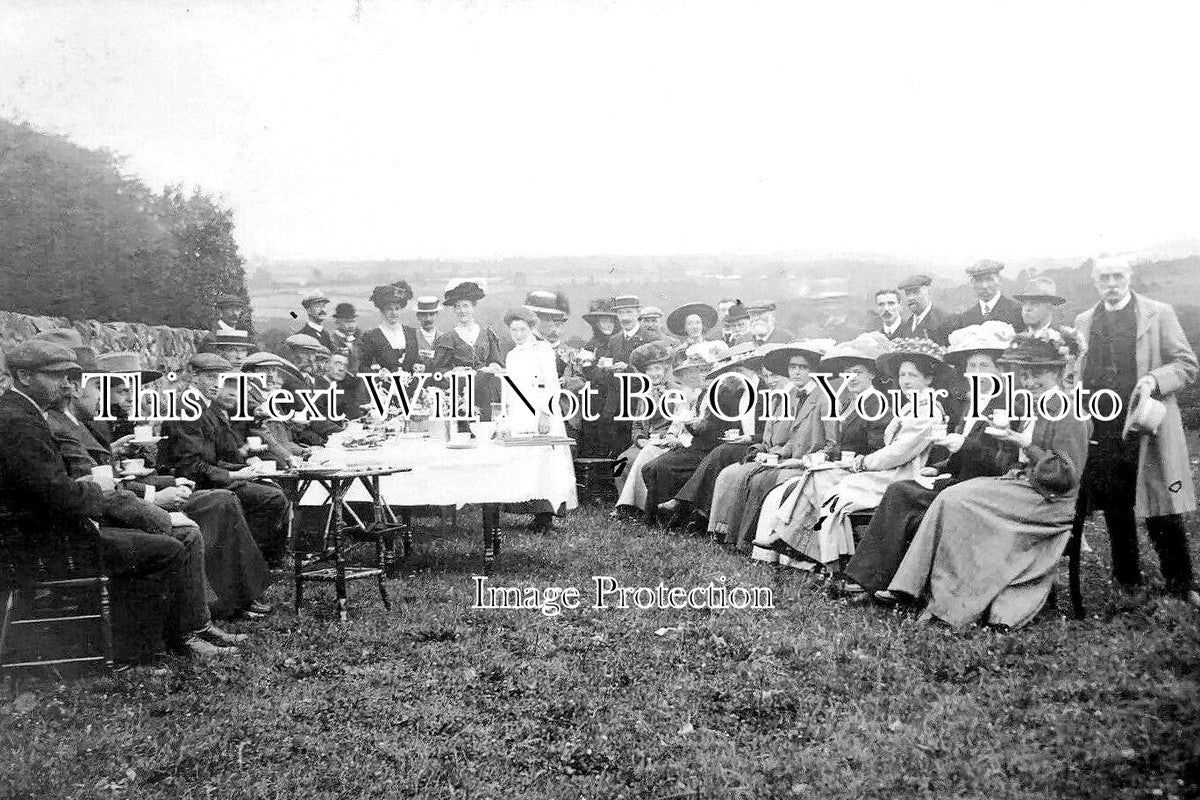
x=698 y=490
x=892 y=528
x=666 y=475
x=744 y=520
x=237 y=572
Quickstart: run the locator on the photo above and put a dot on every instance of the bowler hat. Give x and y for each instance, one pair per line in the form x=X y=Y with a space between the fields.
x=737 y=312
x=345 y=311
x=42 y=356
x=677 y=319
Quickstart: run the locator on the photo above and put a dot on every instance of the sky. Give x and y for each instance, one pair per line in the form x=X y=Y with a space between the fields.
x=453 y=129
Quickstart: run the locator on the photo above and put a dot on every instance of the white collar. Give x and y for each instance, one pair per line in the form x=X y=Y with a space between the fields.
x=66 y=412
x=1119 y=306
x=629 y=334
x=1043 y=327
x=986 y=307
x=40 y=410
x=894 y=328
x=315 y=326
x=917 y=319
x=221 y=326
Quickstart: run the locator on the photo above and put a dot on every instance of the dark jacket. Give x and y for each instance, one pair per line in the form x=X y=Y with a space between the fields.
x=204 y=450
x=321 y=335
x=374 y=348
x=37 y=494
x=1005 y=310
x=932 y=327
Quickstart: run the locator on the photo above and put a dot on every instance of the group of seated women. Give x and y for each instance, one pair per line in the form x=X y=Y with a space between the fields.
x=904 y=496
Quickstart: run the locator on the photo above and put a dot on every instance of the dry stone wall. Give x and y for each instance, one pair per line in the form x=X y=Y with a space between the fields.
x=161 y=347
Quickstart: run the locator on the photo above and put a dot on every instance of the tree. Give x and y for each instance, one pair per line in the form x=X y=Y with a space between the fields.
x=79 y=239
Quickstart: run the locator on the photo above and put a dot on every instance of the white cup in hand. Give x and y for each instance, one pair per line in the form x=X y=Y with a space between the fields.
x=103 y=475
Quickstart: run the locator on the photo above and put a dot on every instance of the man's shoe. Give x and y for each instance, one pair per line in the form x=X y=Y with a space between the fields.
x=196 y=647
x=668 y=506
x=217 y=636
x=259 y=608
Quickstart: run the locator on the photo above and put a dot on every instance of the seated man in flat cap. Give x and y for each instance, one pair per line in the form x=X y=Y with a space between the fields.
x=39 y=495
x=206 y=451
x=990 y=303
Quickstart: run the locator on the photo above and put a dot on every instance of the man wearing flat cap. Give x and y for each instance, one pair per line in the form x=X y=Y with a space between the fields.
x=38 y=495
x=316 y=307
x=1137 y=346
x=990 y=303
x=207 y=451
x=926 y=320
x=229 y=309
x=762 y=324
x=651 y=320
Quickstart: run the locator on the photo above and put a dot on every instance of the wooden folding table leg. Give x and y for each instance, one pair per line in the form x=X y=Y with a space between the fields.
x=337 y=490
x=383 y=552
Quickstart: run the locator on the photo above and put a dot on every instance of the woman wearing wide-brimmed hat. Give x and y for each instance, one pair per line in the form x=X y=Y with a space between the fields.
x=913 y=363
x=694 y=492
x=806 y=425
x=769 y=526
x=666 y=475
x=988 y=548
x=975 y=349
x=650 y=436
x=689 y=323
x=392 y=345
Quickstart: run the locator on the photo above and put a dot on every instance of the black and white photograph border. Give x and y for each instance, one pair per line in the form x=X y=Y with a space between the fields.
x=589 y=399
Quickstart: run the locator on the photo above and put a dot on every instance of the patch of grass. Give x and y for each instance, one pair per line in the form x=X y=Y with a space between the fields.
x=814 y=698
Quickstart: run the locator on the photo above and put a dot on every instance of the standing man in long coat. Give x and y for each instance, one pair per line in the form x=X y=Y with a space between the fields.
x=1137 y=344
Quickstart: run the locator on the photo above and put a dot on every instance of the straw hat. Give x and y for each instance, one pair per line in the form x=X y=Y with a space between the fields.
x=992 y=337
x=1040 y=290
x=863 y=350
x=1145 y=415
x=745 y=355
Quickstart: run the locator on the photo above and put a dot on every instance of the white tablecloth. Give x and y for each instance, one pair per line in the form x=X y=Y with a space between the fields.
x=489 y=473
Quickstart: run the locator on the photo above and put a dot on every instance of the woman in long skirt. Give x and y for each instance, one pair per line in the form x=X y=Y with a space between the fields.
x=913 y=363
x=987 y=548
x=973 y=454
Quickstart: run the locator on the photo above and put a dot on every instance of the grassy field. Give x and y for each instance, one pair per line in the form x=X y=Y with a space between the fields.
x=815 y=698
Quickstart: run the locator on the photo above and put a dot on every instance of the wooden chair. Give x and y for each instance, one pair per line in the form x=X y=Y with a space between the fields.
x=65 y=583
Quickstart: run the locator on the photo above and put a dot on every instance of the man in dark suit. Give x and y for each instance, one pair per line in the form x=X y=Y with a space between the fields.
x=887 y=308
x=990 y=303
x=762 y=324
x=620 y=348
x=316 y=306
x=926 y=321
x=207 y=452
x=38 y=494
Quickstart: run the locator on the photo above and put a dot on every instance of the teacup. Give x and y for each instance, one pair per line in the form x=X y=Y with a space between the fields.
x=130 y=465
x=817 y=457
x=847 y=456
x=255 y=442
x=142 y=433
x=772 y=458
x=1000 y=418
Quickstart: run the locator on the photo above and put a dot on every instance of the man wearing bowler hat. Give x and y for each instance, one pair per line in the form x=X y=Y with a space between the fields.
x=316 y=306
x=990 y=303
x=37 y=493
x=1136 y=345
x=926 y=320
x=737 y=325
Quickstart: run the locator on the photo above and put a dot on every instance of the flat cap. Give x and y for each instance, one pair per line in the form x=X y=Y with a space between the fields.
x=985 y=267
x=209 y=362
x=315 y=296
x=67 y=337
x=912 y=281
x=651 y=312
x=42 y=356
x=302 y=341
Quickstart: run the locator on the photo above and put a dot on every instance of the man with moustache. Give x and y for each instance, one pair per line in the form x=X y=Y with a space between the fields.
x=887 y=308
x=990 y=303
x=762 y=324
x=428 y=307
x=1136 y=344
x=316 y=306
x=925 y=321
x=621 y=345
